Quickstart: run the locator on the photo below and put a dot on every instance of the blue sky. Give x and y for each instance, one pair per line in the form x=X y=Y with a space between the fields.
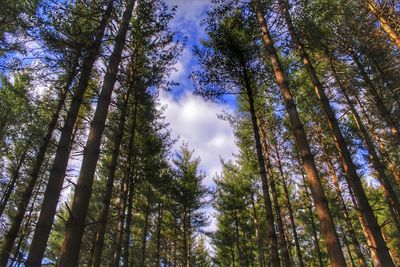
x=191 y=118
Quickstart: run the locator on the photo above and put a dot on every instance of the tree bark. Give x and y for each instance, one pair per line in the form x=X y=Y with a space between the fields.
x=274 y=193
x=385 y=25
x=349 y=167
x=260 y=251
x=380 y=105
x=290 y=210
x=57 y=173
x=271 y=235
x=321 y=204
x=69 y=255
x=102 y=220
x=378 y=165
x=145 y=229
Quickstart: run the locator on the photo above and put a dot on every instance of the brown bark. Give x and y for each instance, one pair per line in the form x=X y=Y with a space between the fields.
x=260 y=251
x=69 y=255
x=321 y=204
x=11 y=185
x=271 y=235
x=158 y=237
x=57 y=173
x=145 y=229
x=350 y=169
x=385 y=25
x=350 y=230
x=282 y=238
x=102 y=220
x=290 y=210
x=379 y=103
x=378 y=165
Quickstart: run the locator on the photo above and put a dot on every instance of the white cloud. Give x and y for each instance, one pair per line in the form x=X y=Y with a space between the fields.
x=195 y=122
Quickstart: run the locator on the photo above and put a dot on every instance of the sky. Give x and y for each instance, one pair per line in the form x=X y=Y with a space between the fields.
x=192 y=119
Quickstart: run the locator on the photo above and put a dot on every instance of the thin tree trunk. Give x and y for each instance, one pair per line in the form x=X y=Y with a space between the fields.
x=145 y=229
x=132 y=155
x=346 y=214
x=11 y=185
x=158 y=237
x=290 y=210
x=271 y=235
x=350 y=169
x=116 y=255
x=321 y=204
x=69 y=255
x=388 y=191
x=237 y=239
x=57 y=173
x=127 y=190
x=260 y=251
x=380 y=105
x=102 y=220
x=385 y=25
x=277 y=208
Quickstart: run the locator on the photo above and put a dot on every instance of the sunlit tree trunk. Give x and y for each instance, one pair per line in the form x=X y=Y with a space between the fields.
x=282 y=239
x=385 y=25
x=57 y=173
x=290 y=210
x=271 y=238
x=112 y=167
x=321 y=204
x=69 y=255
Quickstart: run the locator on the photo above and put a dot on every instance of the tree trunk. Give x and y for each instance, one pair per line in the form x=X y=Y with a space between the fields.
x=271 y=235
x=11 y=185
x=385 y=25
x=145 y=229
x=237 y=239
x=260 y=251
x=132 y=155
x=380 y=105
x=379 y=167
x=159 y=225
x=347 y=219
x=349 y=167
x=290 y=210
x=57 y=173
x=277 y=208
x=69 y=255
x=120 y=225
x=321 y=204
x=102 y=220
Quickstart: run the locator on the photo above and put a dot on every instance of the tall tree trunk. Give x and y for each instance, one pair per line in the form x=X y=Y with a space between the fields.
x=11 y=185
x=34 y=175
x=69 y=255
x=380 y=105
x=158 y=237
x=116 y=255
x=290 y=210
x=350 y=230
x=132 y=155
x=271 y=235
x=57 y=173
x=260 y=251
x=237 y=240
x=321 y=204
x=128 y=184
x=349 y=167
x=145 y=229
x=102 y=220
x=379 y=167
x=282 y=239
x=385 y=25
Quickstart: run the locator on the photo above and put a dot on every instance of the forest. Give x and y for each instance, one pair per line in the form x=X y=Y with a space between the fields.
x=92 y=175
